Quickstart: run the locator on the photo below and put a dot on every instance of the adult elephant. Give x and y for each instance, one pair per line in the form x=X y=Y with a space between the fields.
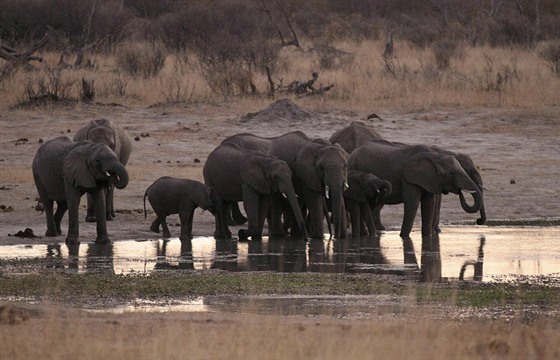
x=417 y=176
x=64 y=170
x=354 y=135
x=104 y=131
x=318 y=167
x=251 y=176
x=365 y=191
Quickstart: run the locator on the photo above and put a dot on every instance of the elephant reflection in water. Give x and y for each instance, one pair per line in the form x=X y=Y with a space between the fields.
x=186 y=261
x=477 y=264
x=99 y=257
x=352 y=253
x=226 y=255
x=279 y=254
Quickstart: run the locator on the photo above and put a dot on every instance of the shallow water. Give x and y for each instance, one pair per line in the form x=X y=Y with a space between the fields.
x=471 y=253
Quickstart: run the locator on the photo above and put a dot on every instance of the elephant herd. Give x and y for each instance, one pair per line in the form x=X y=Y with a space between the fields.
x=292 y=181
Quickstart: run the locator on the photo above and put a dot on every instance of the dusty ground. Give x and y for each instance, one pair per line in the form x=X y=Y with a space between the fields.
x=517 y=151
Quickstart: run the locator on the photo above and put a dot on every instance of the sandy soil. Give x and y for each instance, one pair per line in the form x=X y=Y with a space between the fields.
x=517 y=151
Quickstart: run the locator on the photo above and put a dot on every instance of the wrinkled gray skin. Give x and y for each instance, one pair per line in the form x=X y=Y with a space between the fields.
x=106 y=132
x=317 y=166
x=358 y=133
x=417 y=176
x=64 y=170
x=238 y=174
x=169 y=195
x=364 y=191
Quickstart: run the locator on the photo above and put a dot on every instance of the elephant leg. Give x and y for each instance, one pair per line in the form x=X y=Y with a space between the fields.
x=355 y=219
x=367 y=218
x=376 y=213
x=164 y=227
x=48 y=206
x=110 y=211
x=251 y=203
x=186 y=215
x=155 y=226
x=61 y=208
x=98 y=197
x=90 y=214
x=276 y=211
x=410 y=210
x=314 y=202
x=222 y=231
x=73 y=201
x=437 y=209
x=236 y=217
x=428 y=206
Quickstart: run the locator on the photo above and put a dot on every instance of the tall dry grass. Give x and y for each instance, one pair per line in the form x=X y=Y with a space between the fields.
x=415 y=77
x=57 y=334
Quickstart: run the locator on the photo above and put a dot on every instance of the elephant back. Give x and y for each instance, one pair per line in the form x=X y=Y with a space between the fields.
x=354 y=135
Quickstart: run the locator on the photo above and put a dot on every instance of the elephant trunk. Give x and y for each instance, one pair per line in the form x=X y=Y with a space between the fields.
x=478 y=203
x=289 y=192
x=336 y=181
x=482 y=219
x=118 y=175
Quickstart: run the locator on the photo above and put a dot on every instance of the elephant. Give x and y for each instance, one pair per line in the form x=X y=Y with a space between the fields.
x=354 y=135
x=64 y=170
x=106 y=132
x=358 y=133
x=318 y=168
x=417 y=175
x=170 y=195
x=251 y=176
x=364 y=191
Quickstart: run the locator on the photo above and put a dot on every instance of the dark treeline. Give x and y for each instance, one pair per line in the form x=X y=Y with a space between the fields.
x=225 y=24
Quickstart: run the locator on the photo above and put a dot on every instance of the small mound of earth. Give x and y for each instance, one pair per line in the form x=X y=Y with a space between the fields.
x=280 y=111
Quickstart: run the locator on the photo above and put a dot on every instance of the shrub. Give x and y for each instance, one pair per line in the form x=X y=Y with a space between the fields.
x=551 y=55
x=141 y=59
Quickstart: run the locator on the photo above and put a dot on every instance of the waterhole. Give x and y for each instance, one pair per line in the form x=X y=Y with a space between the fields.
x=487 y=254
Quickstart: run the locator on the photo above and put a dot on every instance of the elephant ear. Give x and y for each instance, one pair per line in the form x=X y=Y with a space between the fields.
x=253 y=174
x=306 y=169
x=75 y=170
x=420 y=169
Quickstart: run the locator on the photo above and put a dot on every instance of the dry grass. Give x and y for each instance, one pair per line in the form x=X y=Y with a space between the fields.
x=480 y=76
x=58 y=334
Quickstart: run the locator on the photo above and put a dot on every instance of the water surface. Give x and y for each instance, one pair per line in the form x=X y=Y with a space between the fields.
x=469 y=253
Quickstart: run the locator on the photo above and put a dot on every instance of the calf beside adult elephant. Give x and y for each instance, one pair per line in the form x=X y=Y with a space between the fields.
x=251 y=176
x=64 y=170
x=417 y=175
x=365 y=192
x=318 y=167
x=169 y=195
x=104 y=131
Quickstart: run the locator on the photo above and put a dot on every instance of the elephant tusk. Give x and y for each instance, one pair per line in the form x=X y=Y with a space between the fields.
x=284 y=195
x=327 y=192
x=468 y=191
x=346 y=186
x=378 y=191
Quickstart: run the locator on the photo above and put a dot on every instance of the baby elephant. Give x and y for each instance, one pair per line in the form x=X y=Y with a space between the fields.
x=169 y=195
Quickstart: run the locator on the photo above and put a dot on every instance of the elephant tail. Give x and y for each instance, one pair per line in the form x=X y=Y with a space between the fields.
x=145 y=212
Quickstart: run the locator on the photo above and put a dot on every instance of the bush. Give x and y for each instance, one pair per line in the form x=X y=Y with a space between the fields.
x=551 y=55
x=141 y=59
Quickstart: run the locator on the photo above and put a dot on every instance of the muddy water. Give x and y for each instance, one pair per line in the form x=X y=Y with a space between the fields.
x=469 y=253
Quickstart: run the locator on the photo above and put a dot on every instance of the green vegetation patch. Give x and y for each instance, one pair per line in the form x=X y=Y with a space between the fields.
x=105 y=287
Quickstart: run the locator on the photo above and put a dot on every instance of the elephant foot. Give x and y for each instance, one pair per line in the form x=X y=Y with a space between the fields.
x=71 y=240
x=222 y=236
x=185 y=237
x=52 y=233
x=102 y=239
x=166 y=234
x=154 y=229
x=91 y=218
x=109 y=216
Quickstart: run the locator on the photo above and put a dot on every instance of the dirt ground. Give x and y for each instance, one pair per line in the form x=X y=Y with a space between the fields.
x=517 y=151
